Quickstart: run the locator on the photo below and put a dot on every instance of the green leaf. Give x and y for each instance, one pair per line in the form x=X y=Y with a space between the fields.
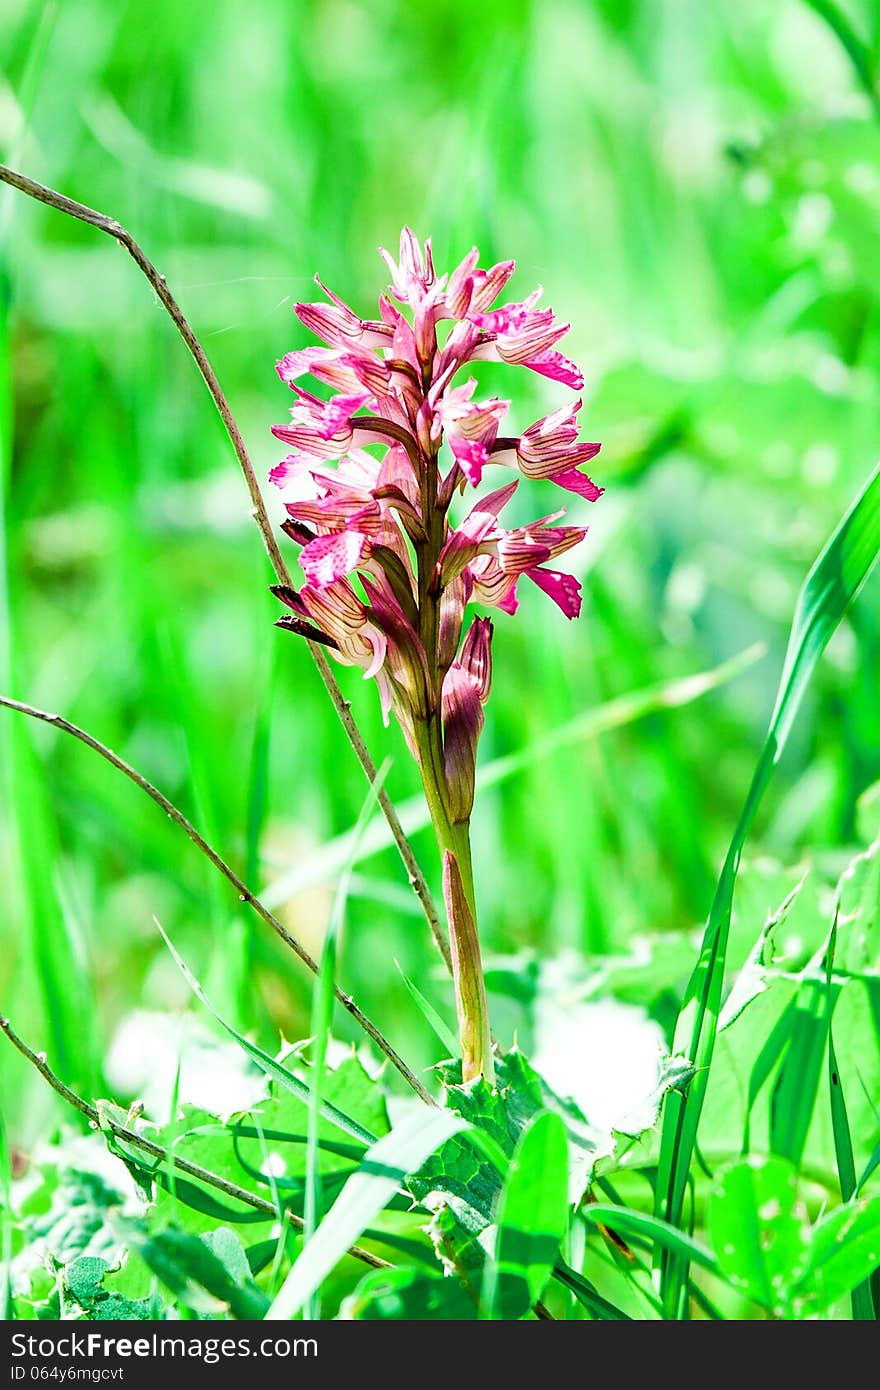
x=469 y=1169
x=190 y=1194
x=759 y=1231
x=409 y=1295
x=233 y=1150
x=626 y=1222
x=858 y=896
x=367 y=1191
x=754 y=977
x=532 y=1219
x=588 y=1295
x=78 y=1221
x=209 y=1274
x=844 y=1253
x=83 y=1281
x=521 y=1093
x=832 y=584
x=767 y=1249
x=323 y=1000
x=457 y=1246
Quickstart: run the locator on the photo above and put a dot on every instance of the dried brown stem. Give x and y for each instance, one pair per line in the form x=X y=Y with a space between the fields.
x=159 y=1152
x=112 y=228
x=244 y=893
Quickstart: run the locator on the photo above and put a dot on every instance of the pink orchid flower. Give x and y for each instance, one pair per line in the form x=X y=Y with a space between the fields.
x=369 y=486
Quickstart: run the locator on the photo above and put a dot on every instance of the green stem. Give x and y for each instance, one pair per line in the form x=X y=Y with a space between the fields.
x=467 y=969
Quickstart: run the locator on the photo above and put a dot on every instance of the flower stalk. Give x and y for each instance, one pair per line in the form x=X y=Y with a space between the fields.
x=388 y=572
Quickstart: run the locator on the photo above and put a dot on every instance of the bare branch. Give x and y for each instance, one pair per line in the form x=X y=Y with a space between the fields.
x=159 y=1152
x=119 y=233
x=244 y=893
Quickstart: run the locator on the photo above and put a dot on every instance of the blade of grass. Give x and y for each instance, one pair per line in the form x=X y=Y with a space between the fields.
x=281 y=1245
x=280 y=1136
x=833 y=582
x=56 y=951
x=172 y=1125
x=322 y=1021
x=383 y=1170
x=861 y=1297
x=268 y=1064
x=240 y=952
x=44 y=934
x=588 y=1295
x=431 y=1016
x=797 y=1085
x=627 y=1222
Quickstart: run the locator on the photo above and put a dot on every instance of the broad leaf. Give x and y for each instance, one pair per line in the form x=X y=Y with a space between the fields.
x=759 y=1230
x=532 y=1219
x=768 y=1250
x=83 y=1281
x=209 y=1274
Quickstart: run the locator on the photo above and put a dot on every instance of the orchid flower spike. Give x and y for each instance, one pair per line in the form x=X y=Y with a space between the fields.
x=369 y=486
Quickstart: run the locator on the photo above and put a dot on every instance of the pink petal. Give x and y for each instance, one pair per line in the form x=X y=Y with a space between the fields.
x=525 y=344
x=329 y=558
x=386 y=695
x=564 y=589
x=471 y=457
x=511 y=317
x=547 y=463
x=379 y=642
x=558 y=368
x=551 y=437
x=313 y=441
x=461 y=284
x=340 y=326
x=293 y=365
x=372 y=374
x=519 y=552
x=574 y=481
x=294 y=466
x=510 y=602
x=338 y=412
x=488 y=284
x=475 y=658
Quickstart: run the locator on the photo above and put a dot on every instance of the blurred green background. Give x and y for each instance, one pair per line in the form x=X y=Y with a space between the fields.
x=697 y=188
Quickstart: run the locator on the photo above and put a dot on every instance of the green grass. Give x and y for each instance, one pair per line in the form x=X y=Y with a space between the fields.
x=696 y=188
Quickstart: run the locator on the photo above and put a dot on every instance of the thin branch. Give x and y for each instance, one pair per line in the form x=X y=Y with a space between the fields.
x=158 y=1151
x=258 y=508
x=244 y=893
